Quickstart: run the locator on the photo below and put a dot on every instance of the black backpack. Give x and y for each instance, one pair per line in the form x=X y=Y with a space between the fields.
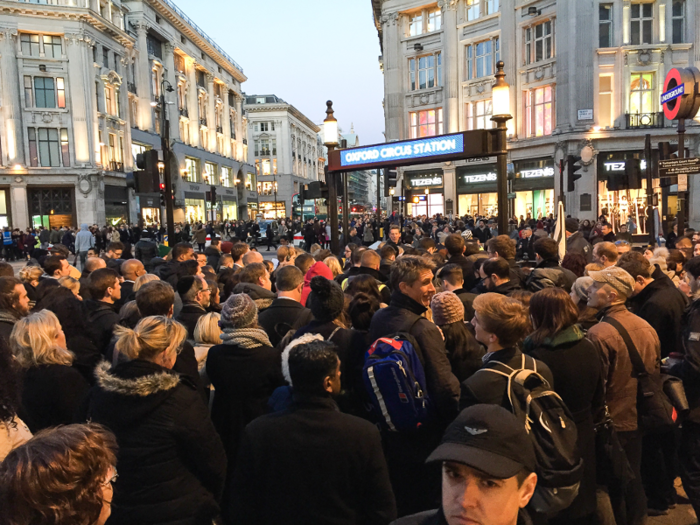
x=552 y=430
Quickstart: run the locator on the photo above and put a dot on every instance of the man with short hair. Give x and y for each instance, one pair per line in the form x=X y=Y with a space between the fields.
x=196 y=296
x=304 y=261
x=56 y=266
x=504 y=247
x=201 y=259
x=356 y=261
x=91 y=264
x=180 y=253
x=575 y=241
x=488 y=464
x=482 y=233
x=114 y=250
x=610 y=290
x=412 y=285
x=452 y=280
x=622 y=247
x=548 y=273
x=14 y=304
x=131 y=269
x=252 y=257
x=213 y=253
x=225 y=261
x=394 y=237
x=84 y=240
x=285 y=312
x=496 y=275
x=255 y=281
x=284 y=455
x=456 y=248
x=369 y=265
x=525 y=249
x=605 y=254
x=428 y=245
x=388 y=255
x=102 y=315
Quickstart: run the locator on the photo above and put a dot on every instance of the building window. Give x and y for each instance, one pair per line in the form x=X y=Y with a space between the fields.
x=209 y=173
x=52 y=46
x=29 y=44
x=46 y=149
x=226 y=176
x=109 y=100
x=605 y=101
x=539 y=42
x=191 y=169
x=539 y=112
x=117 y=59
x=428 y=73
x=44 y=92
x=249 y=181
x=263 y=126
x=482 y=58
x=105 y=57
x=479 y=115
x=641 y=91
x=641 y=23
x=426 y=123
x=678 y=20
x=61 y=92
x=154 y=46
x=425 y=21
x=605 y=25
x=180 y=64
x=136 y=149
x=28 y=92
x=479 y=8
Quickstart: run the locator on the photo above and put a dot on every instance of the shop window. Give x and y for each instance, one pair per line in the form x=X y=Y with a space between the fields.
x=191 y=169
x=249 y=181
x=678 y=21
x=479 y=114
x=641 y=23
x=605 y=25
x=425 y=72
x=426 y=123
x=605 y=101
x=641 y=91
x=48 y=147
x=482 y=58
x=539 y=42
x=539 y=112
x=267 y=188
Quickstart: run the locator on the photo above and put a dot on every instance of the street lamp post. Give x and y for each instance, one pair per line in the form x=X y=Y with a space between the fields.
x=165 y=146
x=330 y=138
x=501 y=114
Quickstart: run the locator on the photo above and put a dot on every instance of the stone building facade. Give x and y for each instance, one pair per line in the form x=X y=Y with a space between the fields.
x=585 y=79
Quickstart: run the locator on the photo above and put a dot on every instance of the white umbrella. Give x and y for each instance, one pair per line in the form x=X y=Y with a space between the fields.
x=560 y=230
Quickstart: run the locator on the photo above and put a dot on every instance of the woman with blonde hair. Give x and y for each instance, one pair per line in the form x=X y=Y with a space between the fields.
x=171 y=461
x=52 y=389
x=207 y=333
x=30 y=275
x=143 y=279
x=72 y=284
x=334 y=264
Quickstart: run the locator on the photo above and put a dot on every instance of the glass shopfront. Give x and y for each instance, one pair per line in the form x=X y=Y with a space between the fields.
x=476 y=189
x=270 y=212
x=229 y=210
x=533 y=185
x=252 y=210
x=424 y=192
x=49 y=207
x=195 y=210
x=624 y=206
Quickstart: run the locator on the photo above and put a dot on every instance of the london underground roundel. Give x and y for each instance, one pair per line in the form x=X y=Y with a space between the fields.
x=680 y=97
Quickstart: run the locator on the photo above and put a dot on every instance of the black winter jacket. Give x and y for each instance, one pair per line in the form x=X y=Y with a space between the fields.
x=689 y=368
x=189 y=315
x=284 y=455
x=145 y=250
x=102 y=318
x=281 y=316
x=172 y=464
x=213 y=257
x=548 y=274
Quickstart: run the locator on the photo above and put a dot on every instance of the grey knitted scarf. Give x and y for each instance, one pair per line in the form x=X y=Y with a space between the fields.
x=245 y=337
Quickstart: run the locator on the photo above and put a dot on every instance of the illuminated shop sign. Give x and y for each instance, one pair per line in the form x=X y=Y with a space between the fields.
x=402 y=151
x=620 y=165
x=484 y=177
x=540 y=172
x=426 y=181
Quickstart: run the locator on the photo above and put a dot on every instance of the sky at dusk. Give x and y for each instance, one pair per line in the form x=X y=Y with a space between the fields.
x=305 y=52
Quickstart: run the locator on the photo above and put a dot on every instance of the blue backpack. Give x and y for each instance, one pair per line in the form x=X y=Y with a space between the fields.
x=395 y=382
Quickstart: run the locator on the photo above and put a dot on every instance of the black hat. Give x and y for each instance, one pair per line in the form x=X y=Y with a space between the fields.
x=488 y=438
x=326 y=300
x=571 y=225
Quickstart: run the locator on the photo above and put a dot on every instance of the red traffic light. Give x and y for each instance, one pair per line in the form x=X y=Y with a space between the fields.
x=162 y=186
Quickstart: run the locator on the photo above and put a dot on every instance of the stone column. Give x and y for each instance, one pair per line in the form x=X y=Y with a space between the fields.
x=143 y=79
x=192 y=101
x=240 y=134
x=19 y=202
x=211 y=113
x=450 y=65
x=225 y=125
x=393 y=92
x=12 y=104
x=83 y=113
x=172 y=111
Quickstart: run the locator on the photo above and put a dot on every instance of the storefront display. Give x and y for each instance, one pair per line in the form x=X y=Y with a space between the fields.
x=49 y=207
x=626 y=207
x=229 y=210
x=476 y=189
x=194 y=210
x=428 y=205
x=269 y=212
x=252 y=210
x=418 y=202
x=473 y=204
x=533 y=186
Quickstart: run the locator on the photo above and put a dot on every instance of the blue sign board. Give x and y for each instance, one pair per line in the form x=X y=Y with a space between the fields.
x=6 y=238
x=403 y=151
x=673 y=94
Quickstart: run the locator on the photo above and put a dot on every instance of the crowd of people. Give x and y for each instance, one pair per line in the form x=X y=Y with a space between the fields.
x=434 y=372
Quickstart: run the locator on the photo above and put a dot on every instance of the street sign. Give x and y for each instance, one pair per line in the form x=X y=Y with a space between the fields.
x=671 y=167
x=511 y=195
x=673 y=94
x=682 y=183
x=680 y=98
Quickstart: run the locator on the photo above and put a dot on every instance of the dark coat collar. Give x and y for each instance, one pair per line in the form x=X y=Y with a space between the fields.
x=400 y=300
x=650 y=289
x=548 y=263
x=309 y=401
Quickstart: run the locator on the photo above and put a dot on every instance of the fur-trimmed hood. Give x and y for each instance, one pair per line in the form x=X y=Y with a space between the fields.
x=129 y=392
x=143 y=386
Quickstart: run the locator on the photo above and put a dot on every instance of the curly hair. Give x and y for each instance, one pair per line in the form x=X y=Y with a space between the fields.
x=57 y=477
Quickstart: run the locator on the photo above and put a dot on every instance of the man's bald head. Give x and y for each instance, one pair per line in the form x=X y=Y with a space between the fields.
x=252 y=257
x=94 y=263
x=132 y=269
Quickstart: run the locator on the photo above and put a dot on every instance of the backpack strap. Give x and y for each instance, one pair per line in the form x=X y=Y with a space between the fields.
x=637 y=363
x=333 y=333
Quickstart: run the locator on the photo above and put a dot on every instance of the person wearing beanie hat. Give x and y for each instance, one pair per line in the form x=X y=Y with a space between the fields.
x=488 y=463
x=587 y=316
x=575 y=241
x=610 y=289
x=245 y=370
x=463 y=351
x=326 y=302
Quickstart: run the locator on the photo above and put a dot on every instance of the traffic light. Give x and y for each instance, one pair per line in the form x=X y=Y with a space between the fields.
x=148 y=178
x=391 y=178
x=162 y=194
x=633 y=174
x=573 y=163
x=213 y=194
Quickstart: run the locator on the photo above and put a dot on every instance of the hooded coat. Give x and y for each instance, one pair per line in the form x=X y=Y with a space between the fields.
x=84 y=240
x=172 y=464
x=261 y=296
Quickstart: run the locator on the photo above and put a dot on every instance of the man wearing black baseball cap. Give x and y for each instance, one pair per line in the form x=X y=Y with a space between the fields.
x=488 y=464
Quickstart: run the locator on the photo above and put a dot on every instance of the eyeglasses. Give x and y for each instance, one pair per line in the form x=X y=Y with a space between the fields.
x=206 y=290
x=113 y=479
